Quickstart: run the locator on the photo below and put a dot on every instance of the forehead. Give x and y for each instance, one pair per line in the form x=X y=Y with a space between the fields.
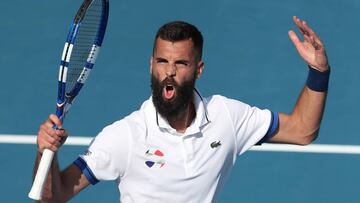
x=164 y=48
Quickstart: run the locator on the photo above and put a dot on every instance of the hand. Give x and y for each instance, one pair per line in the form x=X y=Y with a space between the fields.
x=50 y=138
x=312 y=50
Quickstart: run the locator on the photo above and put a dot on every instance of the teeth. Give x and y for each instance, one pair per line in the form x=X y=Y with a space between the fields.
x=169 y=87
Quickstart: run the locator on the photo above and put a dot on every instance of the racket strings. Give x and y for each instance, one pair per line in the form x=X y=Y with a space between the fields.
x=84 y=41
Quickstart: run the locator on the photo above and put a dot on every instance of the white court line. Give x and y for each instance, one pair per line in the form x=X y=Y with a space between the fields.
x=31 y=139
x=312 y=148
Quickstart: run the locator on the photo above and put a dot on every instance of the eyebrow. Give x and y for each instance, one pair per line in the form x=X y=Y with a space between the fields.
x=182 y=61
x=160 y=59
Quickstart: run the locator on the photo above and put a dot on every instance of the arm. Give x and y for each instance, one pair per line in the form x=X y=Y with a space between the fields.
x=60 y=185
x=302 y=125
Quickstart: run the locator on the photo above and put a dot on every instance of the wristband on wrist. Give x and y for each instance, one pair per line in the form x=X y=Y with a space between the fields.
x=318 y=81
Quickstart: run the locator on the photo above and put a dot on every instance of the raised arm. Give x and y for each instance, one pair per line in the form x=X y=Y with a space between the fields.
x=302 y=125
x=60 y=185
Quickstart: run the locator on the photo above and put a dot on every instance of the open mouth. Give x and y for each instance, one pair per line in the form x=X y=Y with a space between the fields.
x=169 y=92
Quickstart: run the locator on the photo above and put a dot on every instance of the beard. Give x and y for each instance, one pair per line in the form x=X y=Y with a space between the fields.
x=182 y=98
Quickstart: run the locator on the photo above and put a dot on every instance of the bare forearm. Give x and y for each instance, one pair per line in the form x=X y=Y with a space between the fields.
x=302 y=125
x=53 y=187
x=59 y=185
x=308 y=111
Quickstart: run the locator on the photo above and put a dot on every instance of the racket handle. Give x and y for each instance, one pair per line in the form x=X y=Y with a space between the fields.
x=41 y=174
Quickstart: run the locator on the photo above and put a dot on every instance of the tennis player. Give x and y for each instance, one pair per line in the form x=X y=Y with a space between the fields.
x=180 y=146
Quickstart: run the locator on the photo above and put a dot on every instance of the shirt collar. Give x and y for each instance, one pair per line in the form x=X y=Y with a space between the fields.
x=201 y=118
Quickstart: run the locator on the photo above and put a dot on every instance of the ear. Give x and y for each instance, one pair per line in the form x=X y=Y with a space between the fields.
x=200 y=68
x=151 y=61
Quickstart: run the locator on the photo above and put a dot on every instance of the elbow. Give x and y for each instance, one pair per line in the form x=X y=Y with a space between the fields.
x=307 y=139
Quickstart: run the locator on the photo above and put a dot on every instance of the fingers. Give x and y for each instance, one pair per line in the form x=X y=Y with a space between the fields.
x=311 y=49
x=50 y=138
x=53 y=120
x=300 y=25
x=309 y=30
x=62 y=133
x=309 y=35
x=294 y=38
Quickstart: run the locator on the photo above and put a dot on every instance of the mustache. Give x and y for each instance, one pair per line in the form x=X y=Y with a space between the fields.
x=169 y=81
x=184 y=95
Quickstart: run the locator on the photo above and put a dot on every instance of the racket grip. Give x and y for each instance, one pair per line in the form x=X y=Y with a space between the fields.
x=41 y=174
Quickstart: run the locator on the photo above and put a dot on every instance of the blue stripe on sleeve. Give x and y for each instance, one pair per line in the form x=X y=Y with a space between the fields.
x=82 y=165
x=273 y=127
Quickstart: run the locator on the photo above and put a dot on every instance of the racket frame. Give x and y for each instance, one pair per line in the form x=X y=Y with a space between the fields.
x=64 y=101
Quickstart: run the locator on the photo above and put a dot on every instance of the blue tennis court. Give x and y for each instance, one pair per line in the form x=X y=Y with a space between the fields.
x=248 y=56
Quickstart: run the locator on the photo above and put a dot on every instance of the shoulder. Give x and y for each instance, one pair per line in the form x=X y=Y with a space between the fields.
x=218 y=102
x=222 y=108
x=128 y=126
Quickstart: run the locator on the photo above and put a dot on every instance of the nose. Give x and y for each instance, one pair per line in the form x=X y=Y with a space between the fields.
x=171 y=70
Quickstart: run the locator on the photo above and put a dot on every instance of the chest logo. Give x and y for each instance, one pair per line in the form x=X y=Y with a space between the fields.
x=154 y=158
x=215 y=144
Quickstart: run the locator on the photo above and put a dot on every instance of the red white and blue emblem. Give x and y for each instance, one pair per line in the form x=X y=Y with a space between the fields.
x=155 y=158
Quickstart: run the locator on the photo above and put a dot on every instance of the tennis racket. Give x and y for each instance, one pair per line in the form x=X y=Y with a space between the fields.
x=78 y=58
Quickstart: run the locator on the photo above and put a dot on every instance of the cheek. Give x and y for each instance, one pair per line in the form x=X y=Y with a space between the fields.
x=157 y=73
x=185 y=75
x=187 y=72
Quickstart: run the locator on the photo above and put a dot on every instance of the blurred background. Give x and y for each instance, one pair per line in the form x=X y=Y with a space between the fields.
x=248 y=56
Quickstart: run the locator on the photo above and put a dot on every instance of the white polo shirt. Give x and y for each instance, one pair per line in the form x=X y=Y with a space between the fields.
x=151 y=162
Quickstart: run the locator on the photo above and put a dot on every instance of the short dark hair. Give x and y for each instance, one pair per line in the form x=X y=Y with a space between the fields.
x=179 y=30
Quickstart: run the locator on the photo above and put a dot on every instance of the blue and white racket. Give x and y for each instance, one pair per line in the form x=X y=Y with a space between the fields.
x=78 y=58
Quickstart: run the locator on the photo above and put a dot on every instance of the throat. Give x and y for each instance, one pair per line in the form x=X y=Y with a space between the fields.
x=183 y=120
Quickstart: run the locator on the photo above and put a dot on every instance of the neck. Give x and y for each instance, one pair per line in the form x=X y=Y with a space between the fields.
x=183 y=120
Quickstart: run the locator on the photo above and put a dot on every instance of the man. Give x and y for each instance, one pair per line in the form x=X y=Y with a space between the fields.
x=179 y=146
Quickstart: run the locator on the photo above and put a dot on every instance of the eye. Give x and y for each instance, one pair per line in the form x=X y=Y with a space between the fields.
x=182 y=63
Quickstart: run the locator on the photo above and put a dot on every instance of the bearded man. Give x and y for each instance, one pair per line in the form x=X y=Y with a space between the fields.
x=180 y=146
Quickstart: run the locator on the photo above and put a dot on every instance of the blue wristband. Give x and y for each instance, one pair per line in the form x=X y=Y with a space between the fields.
x=317 y=80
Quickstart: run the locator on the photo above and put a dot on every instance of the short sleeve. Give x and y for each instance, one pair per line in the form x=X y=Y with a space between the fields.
x=250 y=124
x=107 y=155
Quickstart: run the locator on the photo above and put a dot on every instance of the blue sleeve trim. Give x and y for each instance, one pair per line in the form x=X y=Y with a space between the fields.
x=82 y=165
x=273 y=127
